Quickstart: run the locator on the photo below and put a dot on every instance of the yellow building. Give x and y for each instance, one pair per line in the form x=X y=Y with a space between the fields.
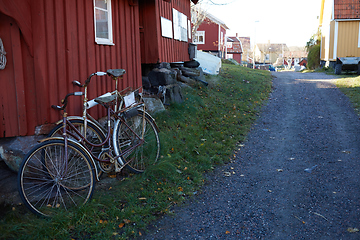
x=339 y=24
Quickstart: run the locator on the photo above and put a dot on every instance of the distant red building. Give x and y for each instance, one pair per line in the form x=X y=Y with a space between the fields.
x=211 y=36
x=49 y=43
x=234 y=48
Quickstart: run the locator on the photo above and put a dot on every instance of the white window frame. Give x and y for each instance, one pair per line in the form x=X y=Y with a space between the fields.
x=109 y=40
x=197 y=35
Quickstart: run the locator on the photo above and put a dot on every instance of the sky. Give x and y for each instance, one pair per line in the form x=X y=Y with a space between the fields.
x=278 y=21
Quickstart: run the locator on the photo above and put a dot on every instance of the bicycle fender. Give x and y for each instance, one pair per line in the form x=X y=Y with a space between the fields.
x=92 y=161
x=82 y=119
x=151 y=118
x=70 y=118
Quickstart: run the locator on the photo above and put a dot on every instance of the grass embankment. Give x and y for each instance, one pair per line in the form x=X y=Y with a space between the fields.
x=350 y=86
x=196 y=136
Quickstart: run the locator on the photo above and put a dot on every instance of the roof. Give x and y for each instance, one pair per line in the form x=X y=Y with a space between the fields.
x=346 y=9
x=236 y=46
x=215 y=20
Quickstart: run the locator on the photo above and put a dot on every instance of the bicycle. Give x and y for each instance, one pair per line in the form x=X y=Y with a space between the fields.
x=60 y=172
x=132 y=111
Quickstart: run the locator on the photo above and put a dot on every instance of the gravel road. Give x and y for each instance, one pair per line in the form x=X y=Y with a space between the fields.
x=296 y=177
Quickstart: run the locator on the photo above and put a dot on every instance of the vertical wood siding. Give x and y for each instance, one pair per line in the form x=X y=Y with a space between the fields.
x=348 y=34
x=154 y=47
x=63 y=50
x=211 y=36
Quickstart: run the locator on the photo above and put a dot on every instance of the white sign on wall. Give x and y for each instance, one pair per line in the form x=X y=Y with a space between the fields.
x=166 y=28
x=180 y=23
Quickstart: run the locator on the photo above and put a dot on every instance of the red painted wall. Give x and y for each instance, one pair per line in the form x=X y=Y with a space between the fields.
x=154 y=47
x=49 y=43
x=212 y=37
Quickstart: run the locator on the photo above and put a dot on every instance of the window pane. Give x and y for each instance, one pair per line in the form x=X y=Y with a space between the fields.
x=102 y=30
x=101 y=4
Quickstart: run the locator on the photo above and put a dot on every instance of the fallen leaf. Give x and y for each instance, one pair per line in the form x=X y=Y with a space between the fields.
x=227 y=232
x=269 y=191
x=127 y=221
x=142 y=198
x=140 y=234
x=121 y=225
x=352 y=230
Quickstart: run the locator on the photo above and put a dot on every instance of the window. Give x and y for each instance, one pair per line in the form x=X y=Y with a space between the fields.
x=103 y=22
x=199 y=37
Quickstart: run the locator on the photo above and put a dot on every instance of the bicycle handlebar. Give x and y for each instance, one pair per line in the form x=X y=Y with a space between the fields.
x=65 y=100
x=114 y=73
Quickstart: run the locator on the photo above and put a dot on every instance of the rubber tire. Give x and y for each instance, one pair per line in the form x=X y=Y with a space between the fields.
x=140 y=162
x=192 y=64
x=338 y=69
x=45 y=178
x=90 y=126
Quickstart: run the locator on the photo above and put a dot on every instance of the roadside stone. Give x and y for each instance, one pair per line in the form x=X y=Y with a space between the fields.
x=13 y=150
x=153 y=104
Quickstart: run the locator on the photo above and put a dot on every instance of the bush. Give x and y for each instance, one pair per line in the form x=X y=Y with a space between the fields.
x=314 y=57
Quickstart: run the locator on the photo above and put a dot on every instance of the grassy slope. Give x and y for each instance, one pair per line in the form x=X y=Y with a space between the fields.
x=350 y=86
x=195 y=136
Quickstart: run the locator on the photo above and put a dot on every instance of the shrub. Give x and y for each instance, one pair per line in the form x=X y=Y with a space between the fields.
x=314 y=57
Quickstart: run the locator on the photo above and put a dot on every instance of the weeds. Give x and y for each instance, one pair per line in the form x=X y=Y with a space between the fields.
x=196 y=136
x=350 y=86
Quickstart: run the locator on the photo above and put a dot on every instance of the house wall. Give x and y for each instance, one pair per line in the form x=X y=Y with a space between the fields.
x=154 y=47
x=237 y=57
x=50 y=43
x=348 y=39
x=211 y=36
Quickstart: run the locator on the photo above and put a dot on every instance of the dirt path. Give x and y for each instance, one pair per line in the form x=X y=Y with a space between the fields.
x=296 y=177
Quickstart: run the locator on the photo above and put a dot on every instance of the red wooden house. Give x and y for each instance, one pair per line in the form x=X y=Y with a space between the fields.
x=211 y=36
x=49 y=43
x=234 y=48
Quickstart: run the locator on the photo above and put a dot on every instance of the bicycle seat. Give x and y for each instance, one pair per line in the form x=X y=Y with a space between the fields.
x=116 y=72
x=105 y=98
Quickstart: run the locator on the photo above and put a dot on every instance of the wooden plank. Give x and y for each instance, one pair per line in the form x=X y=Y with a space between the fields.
x=20 y=105
x=8 y=120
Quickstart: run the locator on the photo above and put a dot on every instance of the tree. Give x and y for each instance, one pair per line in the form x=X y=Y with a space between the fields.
x=313 y=49
x=198 y=13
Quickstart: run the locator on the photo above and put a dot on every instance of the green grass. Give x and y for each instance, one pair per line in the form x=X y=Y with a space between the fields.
x=350 y=86
x=196 y=136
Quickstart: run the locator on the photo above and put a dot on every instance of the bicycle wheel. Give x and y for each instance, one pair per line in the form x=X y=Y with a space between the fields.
x=93 y=135
x=48 y=184
x=125 y=139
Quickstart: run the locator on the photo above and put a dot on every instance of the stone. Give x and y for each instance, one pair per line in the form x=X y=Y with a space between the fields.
x=13 y=150
x=162 y=77
x=153 y=104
